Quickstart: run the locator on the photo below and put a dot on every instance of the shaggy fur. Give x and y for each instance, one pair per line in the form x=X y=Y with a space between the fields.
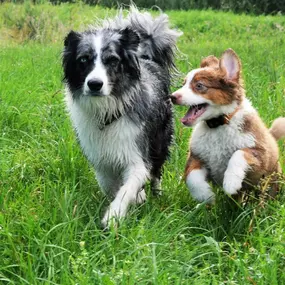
x=117 y=80
x=230 y=145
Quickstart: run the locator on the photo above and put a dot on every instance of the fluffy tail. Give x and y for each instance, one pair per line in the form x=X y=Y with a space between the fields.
x=157 y=40
x=278 y=128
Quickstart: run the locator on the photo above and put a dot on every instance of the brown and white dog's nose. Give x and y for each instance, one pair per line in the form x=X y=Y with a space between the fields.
x=175 y=97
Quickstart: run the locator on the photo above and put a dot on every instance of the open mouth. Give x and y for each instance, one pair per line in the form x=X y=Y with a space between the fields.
x=193 y=113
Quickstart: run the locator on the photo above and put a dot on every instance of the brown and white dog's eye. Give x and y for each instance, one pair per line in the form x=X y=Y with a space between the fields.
x=200 y=86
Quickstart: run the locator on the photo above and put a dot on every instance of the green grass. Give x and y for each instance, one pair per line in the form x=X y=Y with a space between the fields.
x=50 y=203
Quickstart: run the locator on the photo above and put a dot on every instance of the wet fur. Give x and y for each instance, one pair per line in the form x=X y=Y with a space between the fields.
x=135 y=96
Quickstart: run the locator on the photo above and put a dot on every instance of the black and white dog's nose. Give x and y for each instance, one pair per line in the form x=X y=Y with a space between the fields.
x=95 y=84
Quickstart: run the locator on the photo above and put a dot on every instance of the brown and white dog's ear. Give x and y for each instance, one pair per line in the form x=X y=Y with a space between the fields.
x=231 y=64
x=209 y=61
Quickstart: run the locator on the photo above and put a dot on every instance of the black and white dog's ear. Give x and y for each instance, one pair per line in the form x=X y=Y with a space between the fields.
x=72 y=37
x=129 y=39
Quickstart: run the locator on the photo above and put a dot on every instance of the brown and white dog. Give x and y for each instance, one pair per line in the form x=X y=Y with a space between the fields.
x=230 y=145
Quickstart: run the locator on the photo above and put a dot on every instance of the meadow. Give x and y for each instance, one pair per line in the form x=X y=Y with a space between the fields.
x=50 y=203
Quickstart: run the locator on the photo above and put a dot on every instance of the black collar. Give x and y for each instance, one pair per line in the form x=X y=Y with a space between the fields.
x=218 y=121
x=109 y=121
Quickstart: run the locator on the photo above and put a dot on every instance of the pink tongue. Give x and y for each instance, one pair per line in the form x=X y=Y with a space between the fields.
x=190 y=116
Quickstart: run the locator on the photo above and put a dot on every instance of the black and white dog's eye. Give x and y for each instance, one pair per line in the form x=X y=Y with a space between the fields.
x=83 y=59
x=112 y=60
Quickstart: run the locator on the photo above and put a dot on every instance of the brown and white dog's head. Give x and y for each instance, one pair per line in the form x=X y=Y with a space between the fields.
x=212 y=90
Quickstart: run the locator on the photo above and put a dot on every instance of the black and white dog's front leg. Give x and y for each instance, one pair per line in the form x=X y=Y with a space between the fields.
x=131 y=192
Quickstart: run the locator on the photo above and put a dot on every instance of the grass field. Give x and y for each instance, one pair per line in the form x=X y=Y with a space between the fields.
x=50 y=203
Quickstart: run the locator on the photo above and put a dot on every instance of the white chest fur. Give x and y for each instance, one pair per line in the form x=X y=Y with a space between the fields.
x=216 y=146
x=112 y=147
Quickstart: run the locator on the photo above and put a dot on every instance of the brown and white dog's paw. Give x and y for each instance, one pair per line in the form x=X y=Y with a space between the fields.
x=199 y=188
x=232 y=184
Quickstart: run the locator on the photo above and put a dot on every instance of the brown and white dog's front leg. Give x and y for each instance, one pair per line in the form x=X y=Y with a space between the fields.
x=241 y=162
x=195 y=176
x=130 y=193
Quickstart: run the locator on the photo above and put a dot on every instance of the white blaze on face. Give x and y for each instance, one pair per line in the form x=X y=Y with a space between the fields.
x=99 y=72
x=191 y=75
x=185 y=93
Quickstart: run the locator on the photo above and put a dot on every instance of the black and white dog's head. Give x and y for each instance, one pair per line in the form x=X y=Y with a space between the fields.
x=100 y=62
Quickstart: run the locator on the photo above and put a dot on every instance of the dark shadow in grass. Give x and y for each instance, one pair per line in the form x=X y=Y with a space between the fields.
x=225 y=220
x=230 y=219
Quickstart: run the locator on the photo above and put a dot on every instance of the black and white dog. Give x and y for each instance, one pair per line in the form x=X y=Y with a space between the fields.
x=117 y=93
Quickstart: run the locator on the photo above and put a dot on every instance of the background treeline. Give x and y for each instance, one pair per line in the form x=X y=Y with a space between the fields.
x=246 y=6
